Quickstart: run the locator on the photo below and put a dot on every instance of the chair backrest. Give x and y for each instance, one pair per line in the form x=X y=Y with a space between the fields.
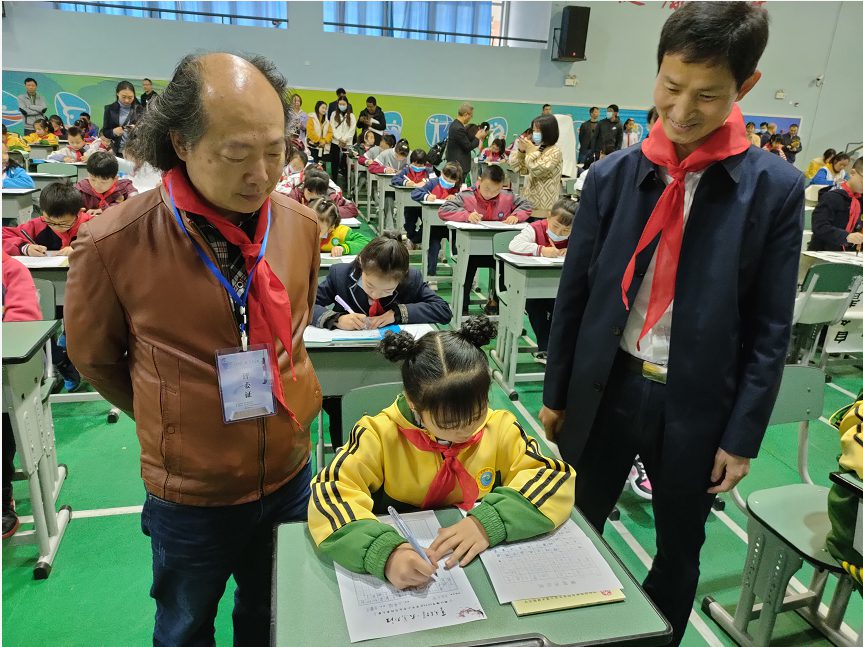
x=366 y=400
x=832 y=277
x=47 y=298
x=58 y=168
x=801 y=395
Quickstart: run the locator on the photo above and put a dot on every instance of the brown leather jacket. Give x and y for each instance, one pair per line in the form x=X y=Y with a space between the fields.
x=144 y=319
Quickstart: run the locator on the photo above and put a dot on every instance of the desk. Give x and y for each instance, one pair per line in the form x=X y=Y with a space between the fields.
x=371 y=180
x=42 y=180
x=515 y=179
x=402 y=200
x=81 y=169
x=17 y=205
x=384 y=187
x=315 y=617
x=328 y=261
x=849 y=481
x=431 y=219
x=346 y=366
x=41 y=151
x=57 y=276
x=33 y=428
x=522 y=276
x=473 y=240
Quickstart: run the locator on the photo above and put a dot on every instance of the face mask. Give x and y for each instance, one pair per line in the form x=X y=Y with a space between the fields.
x=537 y=138
x=553 y=236
x=417 y=169
x=609 y=114
x=446 y=184
x=342 y=108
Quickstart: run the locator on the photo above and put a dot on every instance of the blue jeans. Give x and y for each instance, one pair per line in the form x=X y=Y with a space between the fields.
x=196 y=549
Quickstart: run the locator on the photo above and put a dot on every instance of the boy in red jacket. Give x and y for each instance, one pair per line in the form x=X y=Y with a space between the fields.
x=488 y=201
x=20 y=303
x=62 y=215
x=102 y=188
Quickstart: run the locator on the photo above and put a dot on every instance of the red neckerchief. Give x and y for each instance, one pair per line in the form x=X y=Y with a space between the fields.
x=415 y=176
x=79 y=154
x=269 y=303
x=666 y=221
x=441 y=193
x=854 y=213
x=376 y=309
x=103 y=201
x=451 y=471
x=66 y=237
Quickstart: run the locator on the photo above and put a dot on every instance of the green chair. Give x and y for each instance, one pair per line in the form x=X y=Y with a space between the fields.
x=367 y=400
x=48 y=306
x=58 y=168
x=787 y=526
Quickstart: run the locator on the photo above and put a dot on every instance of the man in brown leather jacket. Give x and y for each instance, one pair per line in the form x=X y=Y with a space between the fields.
x=164 y=282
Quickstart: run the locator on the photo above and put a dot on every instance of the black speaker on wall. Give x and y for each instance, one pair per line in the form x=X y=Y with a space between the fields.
x=572 y=42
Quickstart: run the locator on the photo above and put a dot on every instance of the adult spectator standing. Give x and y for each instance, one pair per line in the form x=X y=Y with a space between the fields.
x=588 y=133
x=121 y=116
x=767 y=134
x=344 y=124
x=459 y=144
x=148 y=94
x=334 y=105
x=297 y=121
x=753 y=137
x=31 y=105
x=610 y=129
x=541 y=159
x=372 y=118
x=546 y=109
x=162 y=286
x=622 y=379
x=793 y=143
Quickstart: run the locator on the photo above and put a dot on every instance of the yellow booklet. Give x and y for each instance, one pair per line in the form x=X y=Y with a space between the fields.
x=558 y=602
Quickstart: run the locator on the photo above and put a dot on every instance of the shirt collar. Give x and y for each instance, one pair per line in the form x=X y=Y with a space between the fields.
x=732 y=166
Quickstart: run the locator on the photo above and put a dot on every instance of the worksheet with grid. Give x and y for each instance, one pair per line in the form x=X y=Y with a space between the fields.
x=564 y=562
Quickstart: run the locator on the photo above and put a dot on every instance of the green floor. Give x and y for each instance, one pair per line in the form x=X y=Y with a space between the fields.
x=97 y=593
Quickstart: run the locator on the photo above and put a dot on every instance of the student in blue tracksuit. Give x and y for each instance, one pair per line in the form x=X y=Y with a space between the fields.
x=15 y=177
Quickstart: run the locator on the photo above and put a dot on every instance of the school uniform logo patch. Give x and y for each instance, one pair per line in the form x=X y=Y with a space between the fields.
x=485 y=479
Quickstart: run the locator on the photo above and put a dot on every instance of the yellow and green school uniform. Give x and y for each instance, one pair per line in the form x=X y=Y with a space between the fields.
x=521 y=492
x=49 y=138
x=343 y=236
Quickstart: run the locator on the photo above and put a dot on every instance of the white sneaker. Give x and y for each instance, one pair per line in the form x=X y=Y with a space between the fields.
x=432 y=283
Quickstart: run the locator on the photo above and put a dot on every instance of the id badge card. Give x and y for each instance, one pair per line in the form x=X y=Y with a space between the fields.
x=245 y=383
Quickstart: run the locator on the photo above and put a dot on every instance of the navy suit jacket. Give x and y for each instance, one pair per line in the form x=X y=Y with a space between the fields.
x=734 y=298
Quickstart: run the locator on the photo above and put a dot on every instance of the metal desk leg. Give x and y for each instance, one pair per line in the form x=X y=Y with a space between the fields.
x=459 y=277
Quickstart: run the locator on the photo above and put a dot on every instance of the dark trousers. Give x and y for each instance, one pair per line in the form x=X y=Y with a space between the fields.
x=539 y=312
x=196 y=549
x=630 y=421
x=317 y=154
x=338 y=163
x=8 y=461
x=436 y=236
x=412 y=216
x=473 y=264
x=332 y=406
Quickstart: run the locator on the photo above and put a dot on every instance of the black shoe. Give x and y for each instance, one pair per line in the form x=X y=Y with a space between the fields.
x=541 y=357
x=491 y=308
x=10 y=521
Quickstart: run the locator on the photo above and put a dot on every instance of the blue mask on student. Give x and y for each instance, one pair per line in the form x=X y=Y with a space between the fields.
x=446 y=184
x=537 y=138
x=553 y=236
x=417 y=169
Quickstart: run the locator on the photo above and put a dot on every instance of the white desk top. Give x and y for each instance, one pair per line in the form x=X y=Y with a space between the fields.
x=531 y=261
x=487 y=224
x=18 y=191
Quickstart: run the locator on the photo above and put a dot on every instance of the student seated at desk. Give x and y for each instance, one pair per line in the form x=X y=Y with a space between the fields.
x=836 y=223
x=817 y=163
x=833 y=172
x=74 y=151
x=295 y=170
x=87 y=127
x=15 y=177
x=13 y=141
x=388 y=142
x=368 y=142
x=496 y=152
x=55 y=125
x=843 y=505
x=488 y=201
x=416 y=173
x=41 y=134
x=336 y=239
x=444 y=187
x=316 y=184
x=392 y=160
x=20 y=303
x=102 y=143
x=381 y=290
x=142 y=174
x=102 y=188
x=549 y=238
x=437 y=445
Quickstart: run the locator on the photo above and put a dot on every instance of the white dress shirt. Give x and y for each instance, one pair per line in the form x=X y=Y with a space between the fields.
x=657 y=341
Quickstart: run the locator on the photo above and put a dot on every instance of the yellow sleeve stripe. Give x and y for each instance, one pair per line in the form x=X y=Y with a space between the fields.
x=329 y=501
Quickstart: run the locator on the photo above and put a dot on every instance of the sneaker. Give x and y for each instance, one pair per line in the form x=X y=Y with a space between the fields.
x=72 y=386
x=638 y=480
x=10 y=521
x=432 y=283
x=541 y=357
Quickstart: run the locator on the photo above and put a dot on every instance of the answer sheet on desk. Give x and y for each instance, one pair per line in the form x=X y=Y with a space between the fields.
x=563 y=562
x=375 y=609
x=43 y=262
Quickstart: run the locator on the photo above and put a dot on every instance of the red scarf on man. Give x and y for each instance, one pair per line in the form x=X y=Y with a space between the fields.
x=854 y=213
x=666 y=220
x=269 y=305
x=451 y=471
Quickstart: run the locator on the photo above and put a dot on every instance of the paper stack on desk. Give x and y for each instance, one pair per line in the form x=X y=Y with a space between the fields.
x=375 y=609
x=43 y=262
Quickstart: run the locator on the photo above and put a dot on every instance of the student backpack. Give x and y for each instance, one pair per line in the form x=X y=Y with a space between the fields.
x=435 y=154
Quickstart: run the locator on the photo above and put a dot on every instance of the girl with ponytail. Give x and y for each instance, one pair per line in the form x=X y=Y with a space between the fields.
x=437 y=445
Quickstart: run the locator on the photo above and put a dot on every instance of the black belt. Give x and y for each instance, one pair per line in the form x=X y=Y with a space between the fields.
x=648 y=370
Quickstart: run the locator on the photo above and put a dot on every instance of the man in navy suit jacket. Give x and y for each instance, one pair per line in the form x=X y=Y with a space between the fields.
x=693 y=398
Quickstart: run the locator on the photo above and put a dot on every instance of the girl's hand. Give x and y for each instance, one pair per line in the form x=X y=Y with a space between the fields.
x=511 y=220
x=465 y=540
x=405 y=568
x=337 y=251
x=474 y=218
x=386 y=319
x=36 y=250
x=352 y=322
x=66 y=251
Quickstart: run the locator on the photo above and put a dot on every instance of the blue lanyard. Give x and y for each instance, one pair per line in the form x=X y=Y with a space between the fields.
x=239 y=300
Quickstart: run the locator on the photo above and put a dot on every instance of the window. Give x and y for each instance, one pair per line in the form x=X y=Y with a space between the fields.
x=451 y=22
x=249 y=14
